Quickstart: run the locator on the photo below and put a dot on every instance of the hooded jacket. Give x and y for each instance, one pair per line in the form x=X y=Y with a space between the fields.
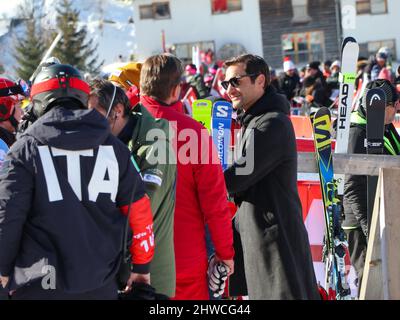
x=263 y=181
x=159 y=176
x=62 y=191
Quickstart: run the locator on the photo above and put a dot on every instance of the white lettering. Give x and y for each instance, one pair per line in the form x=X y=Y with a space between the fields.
x=53 y=186
x=106 y=163
x=73 y=167
x=222 y=111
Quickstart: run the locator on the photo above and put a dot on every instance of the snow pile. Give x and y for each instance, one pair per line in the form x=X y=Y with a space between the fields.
x=109 y=24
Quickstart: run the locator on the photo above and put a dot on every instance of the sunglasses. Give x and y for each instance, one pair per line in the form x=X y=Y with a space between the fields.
x=235 y=81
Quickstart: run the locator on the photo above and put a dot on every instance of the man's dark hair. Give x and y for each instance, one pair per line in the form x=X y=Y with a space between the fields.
x=314 y=65
x=253 y=65
x=104 y=91
x=160 y=74
x=389 y=89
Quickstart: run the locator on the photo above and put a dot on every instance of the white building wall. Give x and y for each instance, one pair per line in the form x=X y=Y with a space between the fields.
x=193 y=21
x=375 y=27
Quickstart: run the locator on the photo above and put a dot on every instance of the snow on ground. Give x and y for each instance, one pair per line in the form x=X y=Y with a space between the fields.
x=108 y=22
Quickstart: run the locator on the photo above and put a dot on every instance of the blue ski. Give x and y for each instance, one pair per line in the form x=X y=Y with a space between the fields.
x=221 y=121
x=3 y=151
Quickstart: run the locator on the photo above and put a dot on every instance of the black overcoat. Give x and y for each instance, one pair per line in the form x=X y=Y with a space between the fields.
x=276 y=249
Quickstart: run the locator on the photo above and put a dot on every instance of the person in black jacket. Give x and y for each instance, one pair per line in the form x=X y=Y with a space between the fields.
x=10 y=110
x=315 y=89
x=289 y=81
x=263 y=182
x=65 y=198
x=355 y=188
x=333 y=79
x=29 y=116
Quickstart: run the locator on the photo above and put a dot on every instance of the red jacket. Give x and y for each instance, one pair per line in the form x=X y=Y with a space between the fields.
x=201 y=195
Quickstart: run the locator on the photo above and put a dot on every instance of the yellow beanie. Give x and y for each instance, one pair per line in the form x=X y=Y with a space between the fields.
x=128 y=75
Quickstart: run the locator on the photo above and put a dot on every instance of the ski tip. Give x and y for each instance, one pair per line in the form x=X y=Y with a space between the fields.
x=352 y=39
x=322 y=111
x=375 y=95
x=348 y=40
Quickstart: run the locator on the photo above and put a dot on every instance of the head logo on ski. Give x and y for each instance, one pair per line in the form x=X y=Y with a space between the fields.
x=347 y=78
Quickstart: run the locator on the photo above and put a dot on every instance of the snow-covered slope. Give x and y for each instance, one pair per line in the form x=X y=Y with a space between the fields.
x=109 y=23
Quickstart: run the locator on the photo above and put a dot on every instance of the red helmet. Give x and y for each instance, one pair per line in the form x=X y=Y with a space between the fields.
x=10 y=95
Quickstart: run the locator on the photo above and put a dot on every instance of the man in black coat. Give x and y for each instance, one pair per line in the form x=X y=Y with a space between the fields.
x=355 y=187
x=263 y=181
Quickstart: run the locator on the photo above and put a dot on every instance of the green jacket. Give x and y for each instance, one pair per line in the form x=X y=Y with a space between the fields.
x=159 y=177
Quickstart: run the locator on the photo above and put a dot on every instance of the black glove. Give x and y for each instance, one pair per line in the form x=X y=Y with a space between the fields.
x=142 y=291
x=217 y=276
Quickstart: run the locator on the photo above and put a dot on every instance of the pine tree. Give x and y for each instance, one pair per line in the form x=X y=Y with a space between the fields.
x=29 y=48
x=74 y=48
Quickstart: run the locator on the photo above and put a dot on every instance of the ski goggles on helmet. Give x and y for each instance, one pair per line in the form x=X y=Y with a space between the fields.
x=235 y=81
x=25 y=87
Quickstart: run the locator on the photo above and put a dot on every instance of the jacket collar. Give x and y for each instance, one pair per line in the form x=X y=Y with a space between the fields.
x=126 y=134
x=271 y=101
x=139 y=123
x=148 y=101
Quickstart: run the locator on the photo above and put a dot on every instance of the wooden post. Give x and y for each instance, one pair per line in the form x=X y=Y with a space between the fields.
x=358 y=164
x=371 y=286
x=381 y=277
x=381 y=273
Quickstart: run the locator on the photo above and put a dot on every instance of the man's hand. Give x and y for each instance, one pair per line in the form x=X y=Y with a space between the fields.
x=218 y=272
x=229 y=263
x=309 y=98
x=4 y=281
x=138 y=278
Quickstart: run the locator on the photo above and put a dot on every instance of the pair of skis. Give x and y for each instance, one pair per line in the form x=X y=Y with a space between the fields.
x=216 y=116
x=335 y=246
